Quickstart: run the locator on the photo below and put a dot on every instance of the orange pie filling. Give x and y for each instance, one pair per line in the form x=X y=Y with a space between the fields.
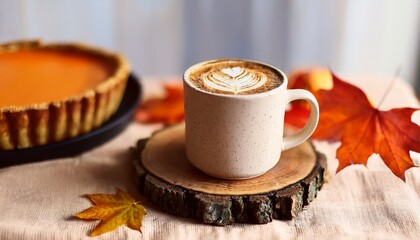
x=41 y=76
x=52 y=92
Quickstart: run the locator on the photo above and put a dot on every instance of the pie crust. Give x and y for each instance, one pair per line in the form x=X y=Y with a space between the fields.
x=42 y=123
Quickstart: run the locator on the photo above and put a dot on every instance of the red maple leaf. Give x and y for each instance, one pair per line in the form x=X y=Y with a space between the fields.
x=168 y=110
x=346 y=115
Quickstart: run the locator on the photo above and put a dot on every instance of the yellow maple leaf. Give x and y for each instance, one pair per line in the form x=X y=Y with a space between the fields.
x=114 y=210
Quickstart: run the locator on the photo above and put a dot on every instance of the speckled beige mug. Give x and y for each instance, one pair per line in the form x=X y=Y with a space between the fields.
x=240 y=136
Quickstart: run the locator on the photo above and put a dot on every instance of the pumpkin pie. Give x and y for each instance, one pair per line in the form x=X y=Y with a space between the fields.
x=51 y=92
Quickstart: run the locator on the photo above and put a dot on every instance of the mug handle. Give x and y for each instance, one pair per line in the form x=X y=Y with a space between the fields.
x=304 y=133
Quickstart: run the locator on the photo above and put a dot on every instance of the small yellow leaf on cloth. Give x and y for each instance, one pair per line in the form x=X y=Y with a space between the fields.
x=113 y=210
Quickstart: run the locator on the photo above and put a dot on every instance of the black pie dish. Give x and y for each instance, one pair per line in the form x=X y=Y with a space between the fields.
x=74 y=146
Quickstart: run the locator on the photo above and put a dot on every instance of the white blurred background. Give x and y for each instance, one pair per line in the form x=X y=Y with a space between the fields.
x=164 y=37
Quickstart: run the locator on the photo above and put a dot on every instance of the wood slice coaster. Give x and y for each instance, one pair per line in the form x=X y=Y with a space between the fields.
x=170 y=181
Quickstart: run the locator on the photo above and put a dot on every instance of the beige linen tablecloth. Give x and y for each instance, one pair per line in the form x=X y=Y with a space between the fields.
x=37 y=200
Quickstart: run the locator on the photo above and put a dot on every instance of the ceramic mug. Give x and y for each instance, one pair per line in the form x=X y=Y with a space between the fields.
x=240 y=136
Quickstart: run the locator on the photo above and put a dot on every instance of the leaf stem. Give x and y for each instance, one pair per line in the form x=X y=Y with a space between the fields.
x=391 y=84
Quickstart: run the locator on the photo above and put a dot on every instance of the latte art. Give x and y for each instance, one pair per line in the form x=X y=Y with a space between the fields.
x=233 y=77
x=235 y=80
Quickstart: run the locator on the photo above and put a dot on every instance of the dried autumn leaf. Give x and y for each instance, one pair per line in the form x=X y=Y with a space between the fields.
x=114 y=210
x=313 y=79
x=348 y=116
x=168 y=110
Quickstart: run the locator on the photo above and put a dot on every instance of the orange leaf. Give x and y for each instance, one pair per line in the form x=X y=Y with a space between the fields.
x=347 y=115
x=312 y=79
x=114 y=210
x=168 y=110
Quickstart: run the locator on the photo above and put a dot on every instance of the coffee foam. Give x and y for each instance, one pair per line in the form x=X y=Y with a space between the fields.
x=236 y=77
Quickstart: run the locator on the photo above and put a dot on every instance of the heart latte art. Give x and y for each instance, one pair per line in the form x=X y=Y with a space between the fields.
x=235 y=80
x=234 y=77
